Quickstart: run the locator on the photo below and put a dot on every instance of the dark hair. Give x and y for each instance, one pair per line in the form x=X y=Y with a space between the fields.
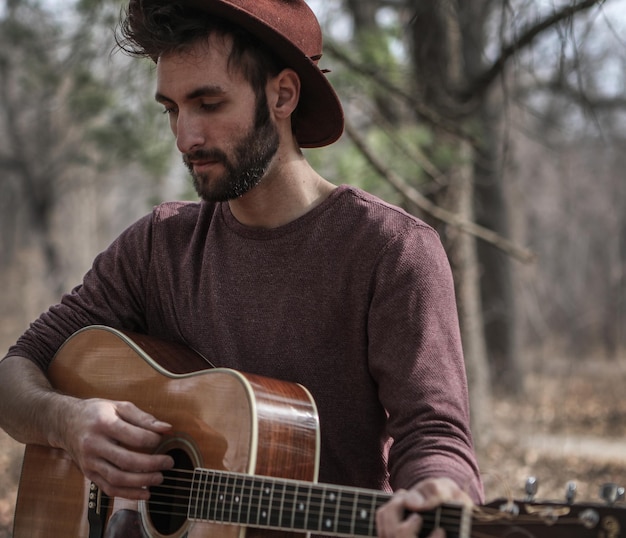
x=159 y=27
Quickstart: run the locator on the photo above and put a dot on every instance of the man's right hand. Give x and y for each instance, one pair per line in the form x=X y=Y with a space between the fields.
x=113 y=443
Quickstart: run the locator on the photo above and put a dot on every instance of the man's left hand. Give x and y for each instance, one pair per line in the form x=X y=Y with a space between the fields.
x=391 y=519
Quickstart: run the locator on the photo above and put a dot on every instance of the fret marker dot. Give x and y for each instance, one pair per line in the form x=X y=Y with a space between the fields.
x=237 y=499
x=267 y=491
x=301 y=507
x=264 y=514
x=332 y=497
x=363 y=514
x=329 y=523
x=221 y=497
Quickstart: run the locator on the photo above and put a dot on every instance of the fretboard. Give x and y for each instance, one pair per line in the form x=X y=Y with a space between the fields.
x=276 y=503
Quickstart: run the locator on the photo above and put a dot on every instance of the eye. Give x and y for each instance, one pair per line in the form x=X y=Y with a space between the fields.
x=210 y=107
x=169 y=111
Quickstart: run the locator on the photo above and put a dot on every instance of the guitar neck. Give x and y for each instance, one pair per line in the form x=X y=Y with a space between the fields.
x=275 y=503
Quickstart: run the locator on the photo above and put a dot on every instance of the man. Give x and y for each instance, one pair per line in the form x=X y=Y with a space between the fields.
x=276 y=272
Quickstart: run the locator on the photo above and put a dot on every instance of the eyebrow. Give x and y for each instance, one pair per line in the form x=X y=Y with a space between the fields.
x=202 y=91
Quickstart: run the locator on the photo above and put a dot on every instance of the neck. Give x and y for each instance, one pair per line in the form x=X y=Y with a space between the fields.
x=290 y=189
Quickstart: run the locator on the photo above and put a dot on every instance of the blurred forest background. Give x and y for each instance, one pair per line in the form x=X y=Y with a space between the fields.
x=500 y=122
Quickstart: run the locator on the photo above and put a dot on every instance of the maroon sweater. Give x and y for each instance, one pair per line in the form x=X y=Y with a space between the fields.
x=354 y=300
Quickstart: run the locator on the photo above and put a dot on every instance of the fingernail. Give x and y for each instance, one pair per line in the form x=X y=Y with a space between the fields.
x=162 y=424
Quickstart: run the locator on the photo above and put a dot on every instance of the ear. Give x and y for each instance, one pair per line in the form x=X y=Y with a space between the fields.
x=283 y=93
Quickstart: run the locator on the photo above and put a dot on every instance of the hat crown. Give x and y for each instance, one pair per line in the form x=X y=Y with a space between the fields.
x=292 y=19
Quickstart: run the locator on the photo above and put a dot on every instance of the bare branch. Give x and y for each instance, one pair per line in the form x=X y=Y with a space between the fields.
x=527 y=36
x=421 y=109
x=423 y=203
x=586 y=100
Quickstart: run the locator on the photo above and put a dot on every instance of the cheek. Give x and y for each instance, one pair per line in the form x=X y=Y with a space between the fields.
x=173 y=124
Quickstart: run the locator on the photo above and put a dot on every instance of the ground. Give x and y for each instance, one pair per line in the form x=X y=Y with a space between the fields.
x=571 y=426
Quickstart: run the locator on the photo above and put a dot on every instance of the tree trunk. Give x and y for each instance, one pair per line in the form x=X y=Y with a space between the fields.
x=463 y=255
x=438 y=61
x=500 y=312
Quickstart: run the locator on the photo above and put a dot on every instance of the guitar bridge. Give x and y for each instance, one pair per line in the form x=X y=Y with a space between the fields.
x=97 y=509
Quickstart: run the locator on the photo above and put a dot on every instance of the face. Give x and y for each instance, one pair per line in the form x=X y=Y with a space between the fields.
x=225 y=134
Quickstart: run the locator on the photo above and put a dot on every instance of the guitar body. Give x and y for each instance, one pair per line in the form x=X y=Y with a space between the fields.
x=222 y=419
x=246 y=450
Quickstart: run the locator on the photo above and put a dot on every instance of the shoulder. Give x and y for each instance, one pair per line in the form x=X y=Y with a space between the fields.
x=378 y=218
x=370 y=207
x=395 y=241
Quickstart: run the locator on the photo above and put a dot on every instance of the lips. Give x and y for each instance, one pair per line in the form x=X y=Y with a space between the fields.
x=199 y=166
x=202 y=160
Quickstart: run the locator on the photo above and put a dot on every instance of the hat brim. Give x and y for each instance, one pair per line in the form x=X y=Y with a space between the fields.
x=319 y=119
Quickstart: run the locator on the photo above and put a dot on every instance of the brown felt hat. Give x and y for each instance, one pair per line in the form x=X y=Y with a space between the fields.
x=290 y=29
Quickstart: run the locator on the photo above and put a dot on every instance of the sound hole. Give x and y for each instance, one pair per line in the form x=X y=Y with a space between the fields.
x=169 y=501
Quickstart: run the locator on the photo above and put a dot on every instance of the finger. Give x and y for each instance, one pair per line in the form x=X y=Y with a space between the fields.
x=431 y=493
x=122 y=483
x=132 y=492
x=131 y=461
x=133 y=415
x=391 y=527
x=392 y=521
x=136 y=429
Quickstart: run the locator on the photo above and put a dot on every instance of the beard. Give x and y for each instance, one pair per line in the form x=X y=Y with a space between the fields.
x=248 y=164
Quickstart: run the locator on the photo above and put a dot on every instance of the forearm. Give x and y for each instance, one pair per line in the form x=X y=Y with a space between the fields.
x=31 y=411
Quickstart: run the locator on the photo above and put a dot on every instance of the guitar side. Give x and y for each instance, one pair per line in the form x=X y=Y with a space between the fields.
x=222 y=419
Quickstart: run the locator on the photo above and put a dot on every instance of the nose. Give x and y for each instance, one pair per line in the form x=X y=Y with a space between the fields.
x=189 y=132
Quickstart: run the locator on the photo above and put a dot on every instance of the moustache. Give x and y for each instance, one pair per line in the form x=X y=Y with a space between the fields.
x=204 y=155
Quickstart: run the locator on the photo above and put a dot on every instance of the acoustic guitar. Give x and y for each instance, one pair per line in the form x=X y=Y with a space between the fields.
x=246 y=450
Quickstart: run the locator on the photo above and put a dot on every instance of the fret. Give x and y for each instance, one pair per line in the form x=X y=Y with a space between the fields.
x=232 y=500
x=265 y=496
x=239 y=499
x=346 y=510
x=225 y=498
x=437 y=518
x=362 y=519
x=328 y=510
x=303 y=502
x=276 y=503
x=375 y=505
x=253 y=504
x=202 y=502
x=209 y=503
x=247 y=500
x=289 y=508
x=455 y=520
x=194 y=497
x=205 y=499
x=218 y=500
x=319 y=508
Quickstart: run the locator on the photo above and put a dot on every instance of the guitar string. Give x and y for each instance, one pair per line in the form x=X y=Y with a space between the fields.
x=229 y=510
x=368 y=528
x=445 y=522
x=481 y=513
x=229 y=492
x=227 y=513
x=256 y=490
x=183 y=502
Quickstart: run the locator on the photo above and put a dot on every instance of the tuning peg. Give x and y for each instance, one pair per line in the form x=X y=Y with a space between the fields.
x=611 y=493
x=531 y=488
x=570 y=492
